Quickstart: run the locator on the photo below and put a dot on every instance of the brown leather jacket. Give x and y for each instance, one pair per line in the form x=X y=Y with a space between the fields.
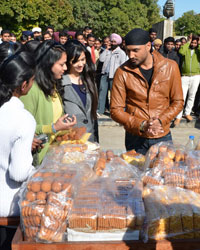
x=132 y=102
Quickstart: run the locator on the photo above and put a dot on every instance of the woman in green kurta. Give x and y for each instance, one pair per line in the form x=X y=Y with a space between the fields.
x=43 y=100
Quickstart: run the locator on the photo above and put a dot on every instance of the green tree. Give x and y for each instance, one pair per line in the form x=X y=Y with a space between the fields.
x=105 y=16
x=85 y=12
x=120 y=16
x=188 y=23
x=18 y=15
x=153 y=11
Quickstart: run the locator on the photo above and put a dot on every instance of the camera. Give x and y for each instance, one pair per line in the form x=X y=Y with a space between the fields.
x=43 y=137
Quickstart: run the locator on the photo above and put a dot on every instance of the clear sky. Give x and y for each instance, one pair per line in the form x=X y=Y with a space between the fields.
x=182 y=6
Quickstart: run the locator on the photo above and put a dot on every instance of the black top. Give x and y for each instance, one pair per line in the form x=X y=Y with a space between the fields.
x=81 y=91
x=147 y=73
x=172 y=54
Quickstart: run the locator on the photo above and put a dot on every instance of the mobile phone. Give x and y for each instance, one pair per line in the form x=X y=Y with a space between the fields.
x=43 y=137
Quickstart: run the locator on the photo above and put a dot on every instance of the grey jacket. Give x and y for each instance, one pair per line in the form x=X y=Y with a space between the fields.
x=74 y=106
x=116 y=58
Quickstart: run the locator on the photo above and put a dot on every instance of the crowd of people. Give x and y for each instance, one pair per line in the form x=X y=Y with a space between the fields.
x=109 y=52
x=51 y=81
x=186 y=53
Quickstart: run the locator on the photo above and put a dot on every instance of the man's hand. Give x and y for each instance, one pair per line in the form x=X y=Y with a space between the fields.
x=152 y=127
x=155 y=126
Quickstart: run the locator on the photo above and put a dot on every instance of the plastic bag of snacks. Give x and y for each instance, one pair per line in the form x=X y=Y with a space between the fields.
x=108 y=204
x=110 y=165
x=53 y=220
x=172 y=166
x=164 y=153
x=74 y=158
x=118 y=169
x=68 y=154
x=171 y=212
x=44 y=203
x=56 y=153
x=134 y=158
x=75 y=135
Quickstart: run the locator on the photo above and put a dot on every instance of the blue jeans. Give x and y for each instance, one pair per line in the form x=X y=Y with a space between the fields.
x=141 y=144
x=105 y=84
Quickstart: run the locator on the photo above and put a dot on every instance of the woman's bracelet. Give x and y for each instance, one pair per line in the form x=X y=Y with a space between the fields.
x=53 y=128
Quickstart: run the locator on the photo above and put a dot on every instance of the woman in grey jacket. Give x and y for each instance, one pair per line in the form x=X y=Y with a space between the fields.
x=80 y=93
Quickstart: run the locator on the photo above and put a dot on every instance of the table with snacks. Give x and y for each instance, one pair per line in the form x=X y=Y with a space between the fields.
x=84 y=198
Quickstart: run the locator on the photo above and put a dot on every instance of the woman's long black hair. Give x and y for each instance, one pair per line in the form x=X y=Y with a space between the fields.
x=8 y=49
x=46 y=54
x=14 y=70
x=74 y=49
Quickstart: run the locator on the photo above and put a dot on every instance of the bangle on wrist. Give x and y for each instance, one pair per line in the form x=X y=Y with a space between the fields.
x=53 y=128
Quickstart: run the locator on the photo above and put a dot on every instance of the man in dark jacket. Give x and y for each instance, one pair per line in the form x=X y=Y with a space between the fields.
x=146 y=94
x=168 y=50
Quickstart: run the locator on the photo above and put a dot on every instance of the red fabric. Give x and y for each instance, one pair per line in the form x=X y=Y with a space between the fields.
x=93 y=55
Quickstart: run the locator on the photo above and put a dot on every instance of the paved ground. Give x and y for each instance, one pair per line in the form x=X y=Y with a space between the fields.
x=112 y=135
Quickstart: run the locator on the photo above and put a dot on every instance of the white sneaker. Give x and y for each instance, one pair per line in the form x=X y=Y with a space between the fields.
x=99 y=115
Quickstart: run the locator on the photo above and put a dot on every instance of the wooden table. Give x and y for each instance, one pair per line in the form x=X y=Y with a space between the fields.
x=19 y=244
x=9 y=221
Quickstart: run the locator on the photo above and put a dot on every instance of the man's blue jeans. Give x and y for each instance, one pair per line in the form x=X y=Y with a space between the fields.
x=105 y=84
x=141 y=144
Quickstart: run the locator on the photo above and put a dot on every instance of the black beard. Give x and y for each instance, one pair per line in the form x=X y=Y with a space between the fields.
x=191 y=47
x=113 y=47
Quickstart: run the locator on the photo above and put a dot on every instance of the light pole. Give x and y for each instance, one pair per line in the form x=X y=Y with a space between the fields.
x=182 y=29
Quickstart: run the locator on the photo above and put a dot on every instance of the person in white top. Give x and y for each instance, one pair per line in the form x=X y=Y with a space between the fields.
x=17 y=128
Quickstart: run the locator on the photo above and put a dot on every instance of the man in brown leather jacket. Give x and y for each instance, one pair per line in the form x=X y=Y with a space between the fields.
x=146 y=94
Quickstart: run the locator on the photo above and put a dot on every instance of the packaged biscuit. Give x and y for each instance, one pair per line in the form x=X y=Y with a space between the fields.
x=172 y=166
x=107 y=205
x=44 y=203
x=164 y=154
x=53 y=221
x=156 y=214
x=100 y=193
x=171 y=212
x=83 y=215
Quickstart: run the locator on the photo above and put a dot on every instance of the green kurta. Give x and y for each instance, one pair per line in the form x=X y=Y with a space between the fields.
x=41 y=108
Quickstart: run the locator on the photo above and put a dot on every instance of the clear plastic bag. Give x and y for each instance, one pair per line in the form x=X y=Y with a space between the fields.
x=44 y=203
x=110 y=165
x=134 y=158
x=171 y=212
x=172 y=166
x=53 y=221
x=73 y=195
x=164 y=153
x=108 y=205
